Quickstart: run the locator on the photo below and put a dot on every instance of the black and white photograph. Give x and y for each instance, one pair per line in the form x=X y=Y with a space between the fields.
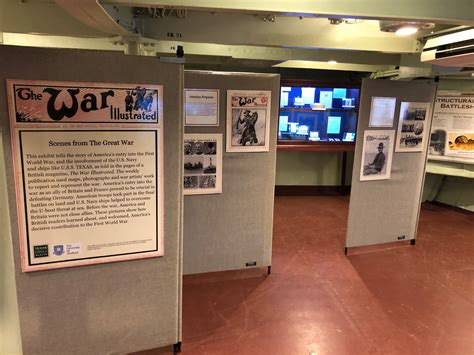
x=437 y=142
x=210 y=148
x=188 y=147
x=411 y=126
x=377 y=152
x=207 y=181
x=191 y=182
x=193 y=165
x=202 y=164
x=248 y=121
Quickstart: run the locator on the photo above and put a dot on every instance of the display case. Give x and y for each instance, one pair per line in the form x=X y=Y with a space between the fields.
x=317 y=118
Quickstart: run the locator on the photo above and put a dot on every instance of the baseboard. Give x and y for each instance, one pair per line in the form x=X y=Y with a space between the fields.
x=445 y=205
x=309 y=190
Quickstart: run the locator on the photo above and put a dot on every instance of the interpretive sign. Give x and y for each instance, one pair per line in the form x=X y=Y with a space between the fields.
x=88 y=172
x=452 y=131
x=201 y=107
x=248 y=121
x=202 y=164
x=382 y=111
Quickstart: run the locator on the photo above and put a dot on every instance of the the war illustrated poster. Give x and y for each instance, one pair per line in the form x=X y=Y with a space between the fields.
x=377 y=152
x=88 y=171
x=248 y=121
x=413 y=126
x=202 y=164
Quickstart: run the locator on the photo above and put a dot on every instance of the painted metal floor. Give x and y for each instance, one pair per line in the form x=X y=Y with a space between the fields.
x=396 y=299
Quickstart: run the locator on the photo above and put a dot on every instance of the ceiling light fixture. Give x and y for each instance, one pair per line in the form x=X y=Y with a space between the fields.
x=406 y=31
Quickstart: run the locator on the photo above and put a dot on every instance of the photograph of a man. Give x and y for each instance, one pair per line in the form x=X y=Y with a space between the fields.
x=377 y=155
x=377 y=165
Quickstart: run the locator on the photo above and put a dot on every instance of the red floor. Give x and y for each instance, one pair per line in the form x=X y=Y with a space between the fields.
x=400 y=299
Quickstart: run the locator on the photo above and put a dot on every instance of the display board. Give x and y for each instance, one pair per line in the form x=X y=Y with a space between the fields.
x=88 y=178
x=452 y=131
x=233 y=229
x=136 y=304
x=386 y=209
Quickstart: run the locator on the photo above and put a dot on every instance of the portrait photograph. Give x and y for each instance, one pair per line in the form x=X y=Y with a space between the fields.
x=377 y=152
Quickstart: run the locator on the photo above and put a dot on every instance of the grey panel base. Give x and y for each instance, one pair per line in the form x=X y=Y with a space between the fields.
x=382 y=211
x=226 y=231
x=107 y=308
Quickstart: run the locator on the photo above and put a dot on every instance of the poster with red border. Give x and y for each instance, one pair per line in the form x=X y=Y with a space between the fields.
x=88 y=167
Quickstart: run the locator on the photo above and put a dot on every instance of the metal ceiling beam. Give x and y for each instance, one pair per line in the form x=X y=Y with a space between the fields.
x=301 y=64
x=245 y=29
x=438 y=11
x=279 y=54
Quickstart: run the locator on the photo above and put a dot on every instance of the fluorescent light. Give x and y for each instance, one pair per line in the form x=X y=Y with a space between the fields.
x=406 y=31
x=332 y=62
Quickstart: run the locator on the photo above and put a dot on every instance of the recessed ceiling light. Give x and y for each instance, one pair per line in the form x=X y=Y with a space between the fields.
x=406 y=31
x=332 y=62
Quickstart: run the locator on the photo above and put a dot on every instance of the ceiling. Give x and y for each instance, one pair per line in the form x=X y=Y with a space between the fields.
x=264 y=33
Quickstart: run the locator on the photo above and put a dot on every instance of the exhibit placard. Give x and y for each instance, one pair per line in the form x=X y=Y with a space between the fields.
x=452 y=130
x=202 y=164
x=88 y=171
x=412 y=126
x=248 y=121
x=201 y=107
x=382 y=111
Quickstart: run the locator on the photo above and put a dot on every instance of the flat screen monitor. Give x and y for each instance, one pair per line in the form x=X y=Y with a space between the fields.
x=283 y=124
x=334 y=125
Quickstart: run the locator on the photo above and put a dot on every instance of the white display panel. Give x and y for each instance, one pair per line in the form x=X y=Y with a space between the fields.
x=88 y=172
x=201 y=107
x=382 y=111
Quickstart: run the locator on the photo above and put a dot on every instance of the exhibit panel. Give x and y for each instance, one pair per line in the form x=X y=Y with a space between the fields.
x=233 y=229
x=110 y=138
x=389 y=162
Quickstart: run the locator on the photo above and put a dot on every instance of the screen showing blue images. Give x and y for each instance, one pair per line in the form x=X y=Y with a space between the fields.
x=326 y=114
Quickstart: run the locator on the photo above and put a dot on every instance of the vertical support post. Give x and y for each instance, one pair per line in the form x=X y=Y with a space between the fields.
x=177 y=348
x=343 y=173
